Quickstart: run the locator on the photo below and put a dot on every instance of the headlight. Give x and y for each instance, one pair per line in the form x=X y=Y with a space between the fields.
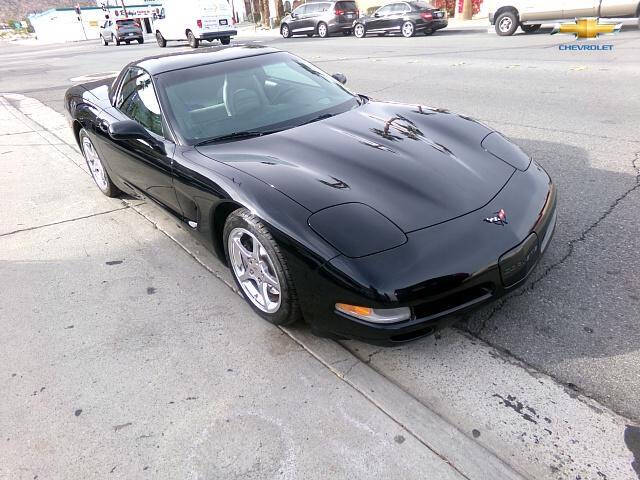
x=375 y=315
x=508 y=152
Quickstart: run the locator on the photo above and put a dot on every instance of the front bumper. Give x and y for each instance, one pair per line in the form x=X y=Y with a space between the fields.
x=217 y=35
x=443 y=271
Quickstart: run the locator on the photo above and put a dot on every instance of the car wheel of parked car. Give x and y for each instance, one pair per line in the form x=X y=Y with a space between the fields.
x=408 y=29
x=359 y=30
x=225 y=40
x=259 y=268
x=96 y=167
x=193 y=41
x=141 y=41
x=160 y=39
x=104 y=41
x=428 y=31
x=285 y=31
x=323 y=30
x=530 y=28
x=127 y=42
x=506 y=24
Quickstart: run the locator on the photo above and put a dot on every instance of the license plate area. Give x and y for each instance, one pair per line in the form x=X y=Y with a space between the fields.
x=516 y=264
x=223 y=22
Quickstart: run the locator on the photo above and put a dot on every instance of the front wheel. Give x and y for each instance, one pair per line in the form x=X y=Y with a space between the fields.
x=359 y=30
x=160 y=39
x=323 y=30
x=408 y=29
x=530 y=28
x=193 y=41
x=225 y=40
x=96 y=167
x=285 y=31
x=104 y=41
x=506 y=24
x=259 y=268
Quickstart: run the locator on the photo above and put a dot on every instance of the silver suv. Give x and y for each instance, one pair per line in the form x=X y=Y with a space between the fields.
x=123 y=30
x=321 y=18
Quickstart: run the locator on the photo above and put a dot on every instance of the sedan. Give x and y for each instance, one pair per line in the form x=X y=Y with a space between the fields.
x=369 y=220
x=406 y=18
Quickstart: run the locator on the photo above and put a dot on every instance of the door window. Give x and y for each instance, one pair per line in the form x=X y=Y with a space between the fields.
x=137 y=100
x=386 y=10
x=301 y=10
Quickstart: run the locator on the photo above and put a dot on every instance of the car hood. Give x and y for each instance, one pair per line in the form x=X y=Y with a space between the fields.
x=417 y=166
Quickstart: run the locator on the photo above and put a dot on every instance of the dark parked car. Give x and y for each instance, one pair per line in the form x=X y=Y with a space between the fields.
x=124 y=30
x=322 y=18
x=369 y=220
x=406 y=18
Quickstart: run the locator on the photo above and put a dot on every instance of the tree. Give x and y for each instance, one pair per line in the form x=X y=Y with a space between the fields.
x=264 y=12
x=467 y=10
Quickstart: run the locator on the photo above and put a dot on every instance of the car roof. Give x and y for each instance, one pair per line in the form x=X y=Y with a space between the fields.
x=177 y=61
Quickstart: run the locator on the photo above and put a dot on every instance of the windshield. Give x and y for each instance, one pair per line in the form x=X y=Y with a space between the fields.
x=259 y=94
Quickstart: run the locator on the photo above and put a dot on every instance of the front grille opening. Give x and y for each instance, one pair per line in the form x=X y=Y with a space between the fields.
x=455 y=301
x=407 y=337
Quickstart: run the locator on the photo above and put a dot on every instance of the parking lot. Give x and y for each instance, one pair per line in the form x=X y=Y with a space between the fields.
x=113 y=364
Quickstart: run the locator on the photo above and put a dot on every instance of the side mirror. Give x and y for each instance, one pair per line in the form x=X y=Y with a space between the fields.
x=377 y=15
x=130 y=130
x=341 y=77
x=293 y=15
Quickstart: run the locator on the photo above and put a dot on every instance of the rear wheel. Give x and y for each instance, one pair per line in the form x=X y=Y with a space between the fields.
x=359 y=30
x=323 y=30
x=160 y=39
x=193 y=41
x=96 y=167
x=408 y=29
x=141 y=41
x=285 y=31
x=530 y=28
x=506 y=24
x=259 y=268
x=225 y=40
x=428 y=31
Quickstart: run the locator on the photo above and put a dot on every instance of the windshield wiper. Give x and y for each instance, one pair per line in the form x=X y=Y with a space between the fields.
x=236 y=136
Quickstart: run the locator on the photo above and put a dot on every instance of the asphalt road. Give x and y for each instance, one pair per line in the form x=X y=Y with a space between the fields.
x=576 y=112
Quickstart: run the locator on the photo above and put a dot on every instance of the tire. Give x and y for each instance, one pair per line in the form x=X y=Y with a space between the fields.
x=428 y=32
x=104 y=41
x=506 y=24
x=225 y=40
x=285 y=31
x=160 y=39
x=530 y=28
x=96 y=167
x=245 y=229
x=127 y=42
x=193 y=41
x=141 y=41
x=408 y=29
x=322 y=30
x=360 y=31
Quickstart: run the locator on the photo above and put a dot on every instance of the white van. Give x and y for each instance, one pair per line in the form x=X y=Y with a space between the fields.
x=195 y=20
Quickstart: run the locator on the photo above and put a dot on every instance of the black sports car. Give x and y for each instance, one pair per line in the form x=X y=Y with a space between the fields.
x=405 y=18
x=370 y=220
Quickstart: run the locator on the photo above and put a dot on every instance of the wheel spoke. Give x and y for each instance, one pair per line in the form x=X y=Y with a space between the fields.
x=240 y=248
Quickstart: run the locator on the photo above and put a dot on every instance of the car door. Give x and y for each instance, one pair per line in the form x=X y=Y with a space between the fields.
x=379 y=18
x=298 y=19
x=579 y=8
x=532 y=10
x=394 y=20
x=147 y=168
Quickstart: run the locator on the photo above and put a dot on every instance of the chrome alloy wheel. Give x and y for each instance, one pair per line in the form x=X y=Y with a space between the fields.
x=505 y=24
x=254 y=270
x=407 y=29
x=359 y=30
x=95 y=165
x=322 y=30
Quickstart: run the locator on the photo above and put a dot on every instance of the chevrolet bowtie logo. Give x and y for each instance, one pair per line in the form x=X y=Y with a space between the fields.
x=587 y=28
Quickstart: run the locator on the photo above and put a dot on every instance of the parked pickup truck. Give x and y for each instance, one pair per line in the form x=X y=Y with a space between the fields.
x=508 y=15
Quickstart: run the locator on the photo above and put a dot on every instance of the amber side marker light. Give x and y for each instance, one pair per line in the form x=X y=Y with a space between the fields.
x=375 y=315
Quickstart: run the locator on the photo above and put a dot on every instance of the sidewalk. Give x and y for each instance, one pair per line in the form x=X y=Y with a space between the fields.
x=124 y=357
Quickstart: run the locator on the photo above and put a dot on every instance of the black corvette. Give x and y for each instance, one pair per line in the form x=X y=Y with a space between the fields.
x=370 y=220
